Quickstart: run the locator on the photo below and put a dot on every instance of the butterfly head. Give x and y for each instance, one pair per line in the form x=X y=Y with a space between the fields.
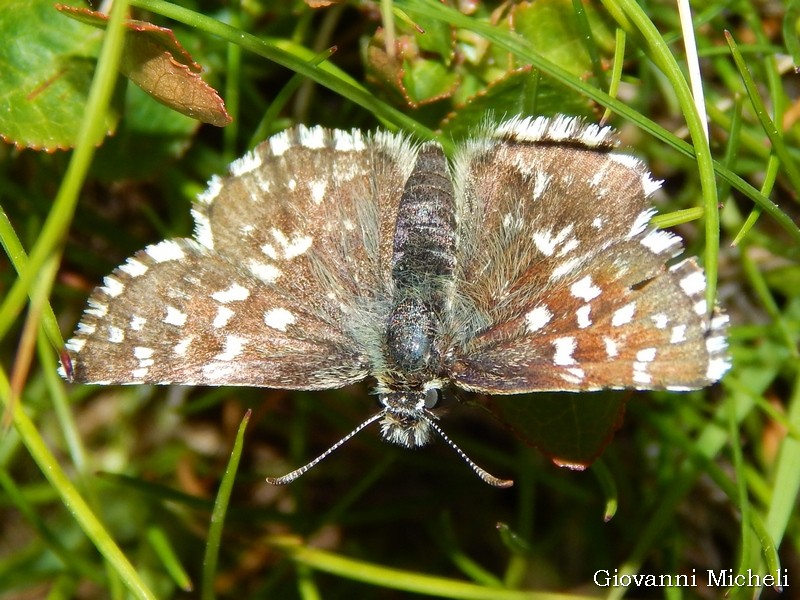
x=407 y=419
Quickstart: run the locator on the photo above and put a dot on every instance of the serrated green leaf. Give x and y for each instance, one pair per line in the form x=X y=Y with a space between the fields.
x=552 y=27
x=46 y=67
x=426 y=81
x=436 y=36
x=572 y=429
x=519 y=92
x=156 y=61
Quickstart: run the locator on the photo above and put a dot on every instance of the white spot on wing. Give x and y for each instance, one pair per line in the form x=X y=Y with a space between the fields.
x=175 y=317
x=546 y=242
x=626 y=160
x=649 y=185
x=75 y=345
x=640 y=222
x=660 y=320
x=143 y=352
x=624 y=315
x=233 y=347
x=165 y=251
x=640 y=374
x=560 y=128
x=612 y=349
x=646 y=355
x=297 y=246
x=701 y=307
x=269 y=251
x=137 y=322
x=112 y=286
x=181 y=347
x=564 y=347
x=133 y=267
x=279 y=318
x=348 y=141
x=577 y=372
x=585 y=289
x=719 y=321
x=224 y=315
x=212 y=191
x=280 y=143
x=659 y=241
x=97 y=309
x=235 y=293
x=678 y=334
x=569 y=246
x=202 y=229
x=716 y=344
x=115 y=335
x=263 y=271
x=565 y=268
x=86 y=328
x=312 y=137
x=247 y=163
x=694 y=283
x=540 y=185
x=583 y=316
x=538 y=318
x=717 y=367
x=318 y=189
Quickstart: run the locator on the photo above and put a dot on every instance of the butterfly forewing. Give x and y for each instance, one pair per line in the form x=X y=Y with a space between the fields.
x=571 y=283
x=291 y=257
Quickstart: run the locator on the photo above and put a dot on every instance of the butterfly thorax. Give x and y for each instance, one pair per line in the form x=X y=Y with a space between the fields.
x=422 y=265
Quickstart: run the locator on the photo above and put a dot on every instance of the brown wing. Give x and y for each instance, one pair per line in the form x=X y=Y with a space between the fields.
x=562 y=284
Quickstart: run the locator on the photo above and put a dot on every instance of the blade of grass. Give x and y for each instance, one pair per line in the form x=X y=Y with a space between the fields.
x=74 y=561
x=660 y=53
x=398 y=579
x=523 y=50
x=740 y=481
x=775 y=138
x=791 y=21
x=616 y=69
x=218 y=514
x=19 y=259
x=90 y=135
x=159 y=541
x=72 y=499
x=787 y=475
x=756 y=279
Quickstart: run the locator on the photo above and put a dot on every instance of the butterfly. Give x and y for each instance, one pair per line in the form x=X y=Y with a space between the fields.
x=526 y=263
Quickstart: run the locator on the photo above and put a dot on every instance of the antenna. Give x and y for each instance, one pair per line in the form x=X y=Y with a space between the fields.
x=480 y=472
x=290 y=477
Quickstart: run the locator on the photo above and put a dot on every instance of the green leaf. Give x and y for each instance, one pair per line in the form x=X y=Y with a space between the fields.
x=518 y=92
x=156 y=61
x=45 y=75
x=427 y=81
x=551 y=26
x=572 y=429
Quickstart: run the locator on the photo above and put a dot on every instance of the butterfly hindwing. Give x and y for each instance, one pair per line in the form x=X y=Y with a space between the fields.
x=569 y=280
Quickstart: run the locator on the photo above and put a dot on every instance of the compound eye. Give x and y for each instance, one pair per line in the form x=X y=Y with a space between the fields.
x=432 y=397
